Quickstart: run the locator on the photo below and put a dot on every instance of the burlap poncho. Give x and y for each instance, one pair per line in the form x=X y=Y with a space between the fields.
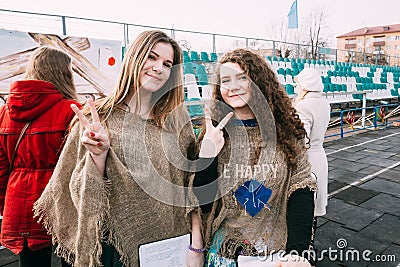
x=267 y=231
x=79 y=205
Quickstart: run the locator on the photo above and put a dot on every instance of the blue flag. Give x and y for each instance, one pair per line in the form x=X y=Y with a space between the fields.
x=292 y=16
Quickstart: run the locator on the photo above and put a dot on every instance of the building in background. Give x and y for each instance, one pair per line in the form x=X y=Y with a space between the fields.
x=371 y=45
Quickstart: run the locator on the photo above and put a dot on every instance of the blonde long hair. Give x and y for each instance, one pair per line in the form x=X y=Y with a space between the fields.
x=54 y=66
x=166 y=98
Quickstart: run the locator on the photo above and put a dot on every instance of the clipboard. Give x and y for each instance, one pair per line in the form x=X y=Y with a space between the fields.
x=169 y=252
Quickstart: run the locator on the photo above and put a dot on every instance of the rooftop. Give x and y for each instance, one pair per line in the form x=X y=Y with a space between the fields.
x=372 y=31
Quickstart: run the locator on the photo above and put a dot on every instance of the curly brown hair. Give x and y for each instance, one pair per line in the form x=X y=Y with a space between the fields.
x=288 y=126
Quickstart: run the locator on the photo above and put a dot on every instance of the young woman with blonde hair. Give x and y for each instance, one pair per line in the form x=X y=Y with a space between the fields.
x=115 y=178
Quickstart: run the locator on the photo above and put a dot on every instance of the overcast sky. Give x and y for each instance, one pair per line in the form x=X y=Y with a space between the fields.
x=235 y=17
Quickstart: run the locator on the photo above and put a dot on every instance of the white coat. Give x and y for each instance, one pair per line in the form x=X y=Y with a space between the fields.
x=314 y=112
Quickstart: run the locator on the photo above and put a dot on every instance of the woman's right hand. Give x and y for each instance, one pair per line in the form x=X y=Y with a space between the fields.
x=213 y=140
x=94 y=136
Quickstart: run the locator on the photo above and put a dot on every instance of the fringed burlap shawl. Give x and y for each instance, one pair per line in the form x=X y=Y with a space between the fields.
x=79 y=206
x=268 y=229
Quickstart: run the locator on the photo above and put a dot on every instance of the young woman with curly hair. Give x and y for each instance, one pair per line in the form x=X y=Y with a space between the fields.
x=253 y=179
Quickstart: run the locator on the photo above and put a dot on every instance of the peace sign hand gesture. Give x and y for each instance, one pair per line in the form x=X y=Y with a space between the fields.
x=213 y=140
x=94 y=136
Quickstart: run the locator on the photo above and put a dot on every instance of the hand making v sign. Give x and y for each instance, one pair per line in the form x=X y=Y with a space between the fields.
x=94 y=136
x=213 y=140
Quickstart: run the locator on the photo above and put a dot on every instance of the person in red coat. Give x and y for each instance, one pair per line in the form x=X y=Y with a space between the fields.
x=44 y=100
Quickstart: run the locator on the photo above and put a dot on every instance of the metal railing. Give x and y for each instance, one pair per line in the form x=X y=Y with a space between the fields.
x=189 y=40
x=379 y=118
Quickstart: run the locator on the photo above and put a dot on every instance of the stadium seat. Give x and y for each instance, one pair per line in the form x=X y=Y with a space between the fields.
x=189 y=79
x=204 y=57
x=281 y=79
x=194 y=56
x=202 y=79
x=188 y=67
x=206 y=91
x=201 y=74
x=289 y=79
x=193 y=92
x=193 y=95
x=186 y=57
x=326 y=87
x=213 y=57
x=289 y=89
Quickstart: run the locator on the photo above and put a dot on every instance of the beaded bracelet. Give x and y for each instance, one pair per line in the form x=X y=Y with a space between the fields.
x=198 y=250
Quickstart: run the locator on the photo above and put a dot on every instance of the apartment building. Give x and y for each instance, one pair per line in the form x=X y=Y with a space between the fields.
x=371 y=45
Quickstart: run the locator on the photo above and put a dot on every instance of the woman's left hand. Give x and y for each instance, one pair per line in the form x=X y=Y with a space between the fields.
x=195 y=259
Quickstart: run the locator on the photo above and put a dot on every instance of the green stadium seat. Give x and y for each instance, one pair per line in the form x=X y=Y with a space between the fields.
x=186 y=58
x=281 y=71
x=213 y=57
x=289 y=89
x=326 y=87
x=204 y=57
x=201 y=74
x=188 y=67
x=194 y=56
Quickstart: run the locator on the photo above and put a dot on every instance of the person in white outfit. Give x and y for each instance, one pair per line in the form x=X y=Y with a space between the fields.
x=314 y=111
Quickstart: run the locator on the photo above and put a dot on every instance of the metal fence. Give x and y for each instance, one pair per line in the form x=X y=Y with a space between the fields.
x=189 y=40
x=361 y=119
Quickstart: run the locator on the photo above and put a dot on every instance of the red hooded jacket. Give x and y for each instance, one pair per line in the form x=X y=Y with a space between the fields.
x=36 y=157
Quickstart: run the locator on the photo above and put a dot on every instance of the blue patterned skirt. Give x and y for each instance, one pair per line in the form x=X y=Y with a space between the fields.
x=212 y=258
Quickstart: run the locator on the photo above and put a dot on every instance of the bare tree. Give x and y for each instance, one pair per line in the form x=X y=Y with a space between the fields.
x=284 y=38
x=184 y=44
x=312 y=34
x=316 y=31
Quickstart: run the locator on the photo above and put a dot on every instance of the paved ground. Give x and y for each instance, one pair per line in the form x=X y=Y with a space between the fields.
x=362 y=225
x=363 y=217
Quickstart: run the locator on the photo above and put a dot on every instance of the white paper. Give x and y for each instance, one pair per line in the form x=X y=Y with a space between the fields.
x=262 y=261
x=165 y=253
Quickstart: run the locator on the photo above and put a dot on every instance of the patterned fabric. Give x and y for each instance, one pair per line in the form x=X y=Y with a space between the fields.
x=212 y=258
